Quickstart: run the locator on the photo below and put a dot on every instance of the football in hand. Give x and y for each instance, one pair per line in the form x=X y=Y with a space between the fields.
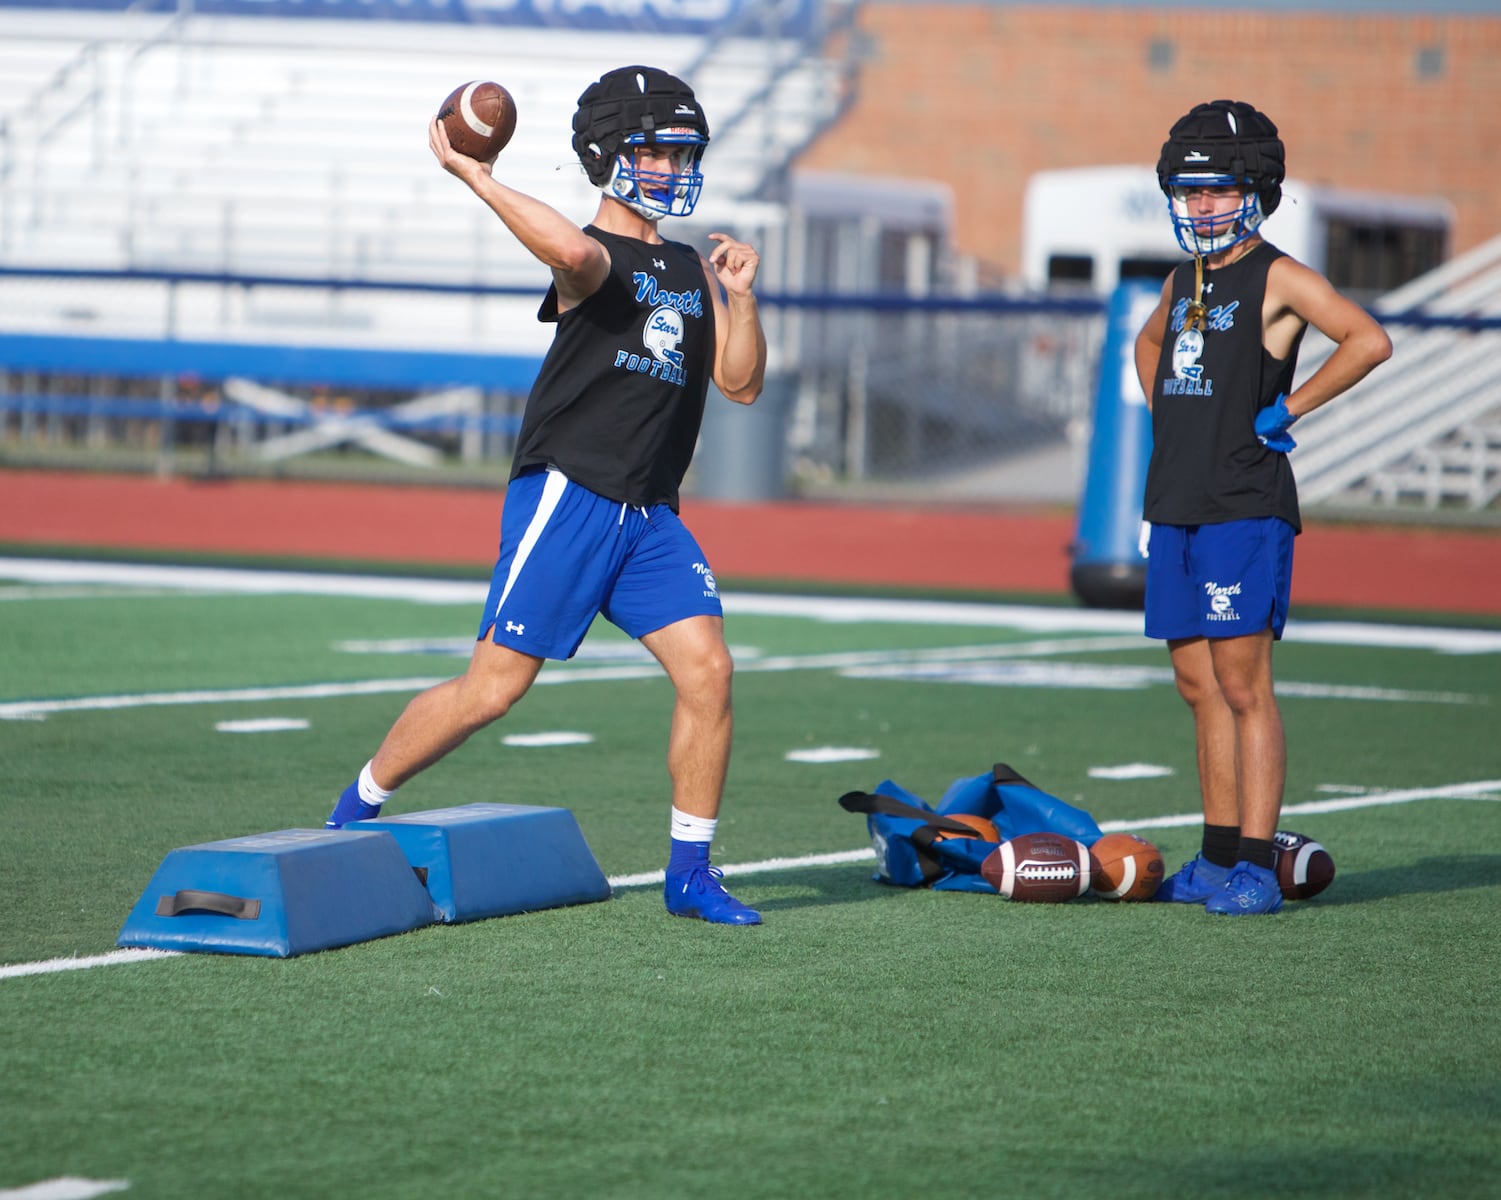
x=479 y=118
x=1304 y=868
x=1124 y=867
x=1038 y=867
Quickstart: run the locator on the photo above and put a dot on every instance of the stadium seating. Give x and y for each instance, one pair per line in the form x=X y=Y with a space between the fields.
x=275 y=147
x=1426 y=426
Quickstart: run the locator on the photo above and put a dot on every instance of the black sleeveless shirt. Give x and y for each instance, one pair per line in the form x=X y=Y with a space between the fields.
x=1207 y=465
x=619 y=399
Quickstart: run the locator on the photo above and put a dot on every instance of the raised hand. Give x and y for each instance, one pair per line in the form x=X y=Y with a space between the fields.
x=735 y=264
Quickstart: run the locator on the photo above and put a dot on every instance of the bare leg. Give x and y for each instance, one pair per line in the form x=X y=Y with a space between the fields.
x=694 y=655
x=443 y=717
x=698 y=756
x=1243 y=667
x=1214 y=729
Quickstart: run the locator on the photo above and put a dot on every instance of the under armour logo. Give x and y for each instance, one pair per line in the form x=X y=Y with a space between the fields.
x=513 y=627
x=659 y=264
x=1208 y=288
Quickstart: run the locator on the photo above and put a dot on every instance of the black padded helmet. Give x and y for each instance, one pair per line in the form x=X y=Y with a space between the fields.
x=640 y=106
x=1226 y=138
x=1224 y=142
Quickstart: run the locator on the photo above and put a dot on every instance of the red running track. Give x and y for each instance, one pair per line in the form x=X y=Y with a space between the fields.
x=789 y=542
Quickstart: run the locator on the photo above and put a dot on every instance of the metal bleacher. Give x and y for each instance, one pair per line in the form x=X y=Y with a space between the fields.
x=298 y=148
x=1424 y=430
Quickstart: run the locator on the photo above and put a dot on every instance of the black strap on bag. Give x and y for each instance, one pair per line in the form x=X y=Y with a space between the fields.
x=890 y=806
x=923 y=837
x=876 y=802
x=1001 y=774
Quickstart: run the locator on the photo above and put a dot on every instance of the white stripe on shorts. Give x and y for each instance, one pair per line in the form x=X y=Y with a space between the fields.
x=552 y=492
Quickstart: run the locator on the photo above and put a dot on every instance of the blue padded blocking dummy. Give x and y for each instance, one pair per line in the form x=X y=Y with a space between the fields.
x=490 y=860
x=1108 y=568
x=279 y=894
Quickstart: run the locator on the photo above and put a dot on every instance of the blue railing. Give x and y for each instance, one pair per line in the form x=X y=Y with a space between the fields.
x=187 y=375
x=989 y=302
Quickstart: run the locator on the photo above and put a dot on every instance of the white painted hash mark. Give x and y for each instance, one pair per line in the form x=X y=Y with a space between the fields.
x=561 y=737
x=66 y=1187
x=1130 y=771
x=831 y=754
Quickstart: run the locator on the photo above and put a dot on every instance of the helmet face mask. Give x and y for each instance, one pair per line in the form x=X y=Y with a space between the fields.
x=657 y=193
x=1222 y=144
x=1209 y=233
x=636 y=108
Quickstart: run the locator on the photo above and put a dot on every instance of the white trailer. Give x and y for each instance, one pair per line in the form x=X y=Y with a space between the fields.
x=1087 y=228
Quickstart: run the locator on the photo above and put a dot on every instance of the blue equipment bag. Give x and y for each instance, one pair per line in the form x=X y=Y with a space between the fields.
x=906 y=831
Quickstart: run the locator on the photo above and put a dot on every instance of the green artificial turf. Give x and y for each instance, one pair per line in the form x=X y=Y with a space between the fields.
x=865 y=1041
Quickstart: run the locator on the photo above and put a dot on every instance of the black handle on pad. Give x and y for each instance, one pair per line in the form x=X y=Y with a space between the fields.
x=242 y=908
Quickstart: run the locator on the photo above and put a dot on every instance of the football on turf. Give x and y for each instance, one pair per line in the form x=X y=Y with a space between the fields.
x=983 y=829
x=480 y=118
x=1038 y=867
x=1304 y=867
x=1123 y=866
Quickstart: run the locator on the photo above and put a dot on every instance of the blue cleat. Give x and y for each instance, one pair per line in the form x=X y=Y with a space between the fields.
x=697 y=892
x=1249 y=891
x=350 y=808
x=1195 y=881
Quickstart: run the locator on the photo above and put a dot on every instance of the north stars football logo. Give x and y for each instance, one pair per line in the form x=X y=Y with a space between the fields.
x=1188 y=371
x=664 y=331
x=1188 y=377
x=1221 y=606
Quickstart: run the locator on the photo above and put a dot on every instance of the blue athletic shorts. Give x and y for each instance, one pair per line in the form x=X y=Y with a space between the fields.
x=567 y=555
x=1219 y=581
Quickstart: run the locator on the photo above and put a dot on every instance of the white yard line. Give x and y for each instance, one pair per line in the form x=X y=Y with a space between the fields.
x=1040 y=619
x=893 y=664
x=19 y=710
x=53 y=965
x=873 y=665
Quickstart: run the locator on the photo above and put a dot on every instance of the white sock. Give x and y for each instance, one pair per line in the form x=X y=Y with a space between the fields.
x=371 y=792
x=692 y=829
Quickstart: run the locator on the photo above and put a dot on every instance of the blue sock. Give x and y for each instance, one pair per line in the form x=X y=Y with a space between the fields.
x=687 y=855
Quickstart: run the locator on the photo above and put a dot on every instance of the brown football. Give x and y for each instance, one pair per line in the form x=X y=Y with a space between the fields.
x=480 y=118
x=1304 y=868
x=1045 y=867
x=1123 y=866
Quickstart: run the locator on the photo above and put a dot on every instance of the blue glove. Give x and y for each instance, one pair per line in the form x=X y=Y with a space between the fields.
x=1272 y=424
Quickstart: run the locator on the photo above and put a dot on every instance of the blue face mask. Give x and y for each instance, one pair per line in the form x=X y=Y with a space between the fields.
x=1204 y=235
x=657 y=193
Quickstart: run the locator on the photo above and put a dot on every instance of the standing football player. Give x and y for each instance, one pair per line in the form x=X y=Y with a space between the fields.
x=590 y=519
x=1216 y=359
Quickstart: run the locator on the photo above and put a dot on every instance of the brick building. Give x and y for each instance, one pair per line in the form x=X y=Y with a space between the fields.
x=981 y=95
